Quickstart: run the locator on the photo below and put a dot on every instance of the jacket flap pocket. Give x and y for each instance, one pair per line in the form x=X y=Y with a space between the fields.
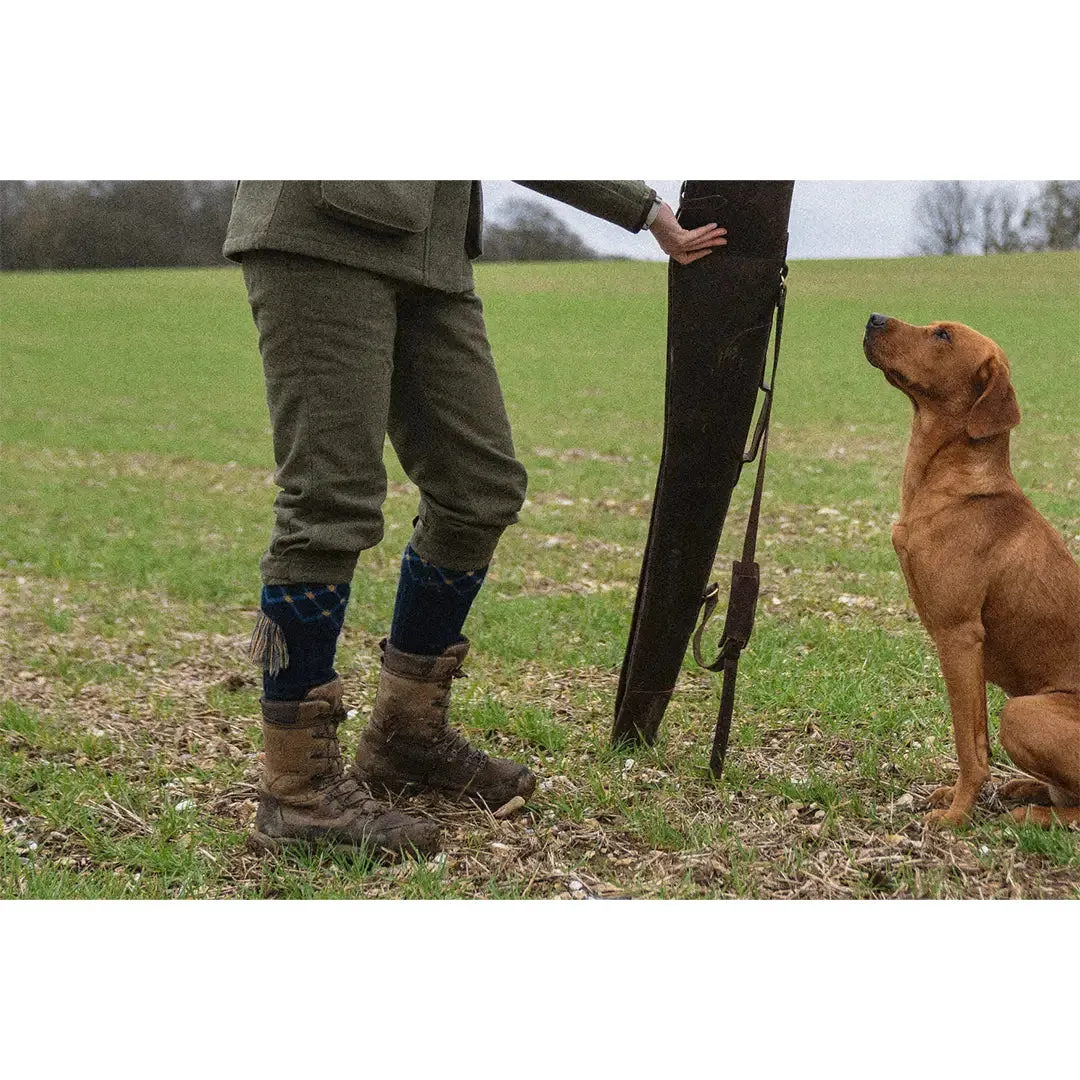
x=387 y=206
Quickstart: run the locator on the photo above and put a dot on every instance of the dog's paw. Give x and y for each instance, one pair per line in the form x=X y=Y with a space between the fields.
x=1025 y=791
x=1046 y=817
x=1031 y=815
x=947 y=819
x=943 y=796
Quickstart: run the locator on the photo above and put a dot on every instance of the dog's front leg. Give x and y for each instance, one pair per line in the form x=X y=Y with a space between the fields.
x=961 y=652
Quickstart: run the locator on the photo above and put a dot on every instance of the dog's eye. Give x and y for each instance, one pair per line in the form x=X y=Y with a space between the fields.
x=942 y=333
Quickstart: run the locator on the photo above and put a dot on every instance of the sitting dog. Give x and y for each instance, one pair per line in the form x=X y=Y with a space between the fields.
x=992 y=581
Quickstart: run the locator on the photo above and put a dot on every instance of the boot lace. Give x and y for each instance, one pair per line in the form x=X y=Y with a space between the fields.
x=458 y=753
x=450 y=745
x=334 y=782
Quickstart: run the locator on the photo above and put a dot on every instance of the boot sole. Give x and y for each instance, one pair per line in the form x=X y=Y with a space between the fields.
x=399 y=788
x=260 y=843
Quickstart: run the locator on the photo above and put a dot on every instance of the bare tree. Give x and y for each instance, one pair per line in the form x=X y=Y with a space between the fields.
x=945 y=215
x=529 y=232
x=1001 y=221
x=1053 y=216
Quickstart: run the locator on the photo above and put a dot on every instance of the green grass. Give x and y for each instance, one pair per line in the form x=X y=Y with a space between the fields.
x=135 y=487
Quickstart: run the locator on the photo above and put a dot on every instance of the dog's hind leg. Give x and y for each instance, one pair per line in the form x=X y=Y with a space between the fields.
x=1029 y=792
x=1042 y=735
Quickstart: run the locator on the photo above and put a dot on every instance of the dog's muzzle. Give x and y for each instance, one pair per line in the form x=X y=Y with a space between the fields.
x=874 y=327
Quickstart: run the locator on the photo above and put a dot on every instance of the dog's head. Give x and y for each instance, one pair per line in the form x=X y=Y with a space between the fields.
x=947 y=369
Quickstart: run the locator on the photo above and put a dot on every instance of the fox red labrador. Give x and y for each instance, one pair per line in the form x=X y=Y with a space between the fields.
x=993 y=583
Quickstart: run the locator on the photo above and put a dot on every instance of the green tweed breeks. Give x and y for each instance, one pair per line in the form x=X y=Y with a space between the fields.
x=349 y=358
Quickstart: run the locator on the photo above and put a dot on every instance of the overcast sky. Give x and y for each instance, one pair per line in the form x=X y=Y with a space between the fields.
x=829 y=219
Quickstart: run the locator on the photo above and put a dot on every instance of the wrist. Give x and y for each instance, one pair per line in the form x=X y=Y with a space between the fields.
x=651 y=216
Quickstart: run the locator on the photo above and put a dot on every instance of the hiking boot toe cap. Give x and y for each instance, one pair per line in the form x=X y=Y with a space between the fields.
x=399 y=832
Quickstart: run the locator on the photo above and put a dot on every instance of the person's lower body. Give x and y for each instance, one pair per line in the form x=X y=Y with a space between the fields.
x=350 y=356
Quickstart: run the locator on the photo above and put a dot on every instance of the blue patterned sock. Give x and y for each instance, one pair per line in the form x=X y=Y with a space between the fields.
x=431 y=605
x=296 y=636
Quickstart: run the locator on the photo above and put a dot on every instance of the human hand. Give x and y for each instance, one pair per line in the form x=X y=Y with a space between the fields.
x=685 y=245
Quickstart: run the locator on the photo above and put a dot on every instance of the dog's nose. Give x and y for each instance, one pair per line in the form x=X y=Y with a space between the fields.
x=876 y=321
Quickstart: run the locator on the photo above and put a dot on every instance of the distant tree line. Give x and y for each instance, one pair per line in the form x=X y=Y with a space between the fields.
x=53 y=225
x=954 y=217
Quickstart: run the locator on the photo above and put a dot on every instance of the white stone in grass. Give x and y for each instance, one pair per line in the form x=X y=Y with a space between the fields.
x=855 y=601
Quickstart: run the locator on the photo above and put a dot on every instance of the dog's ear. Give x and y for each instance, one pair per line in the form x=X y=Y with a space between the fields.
x=995 y=411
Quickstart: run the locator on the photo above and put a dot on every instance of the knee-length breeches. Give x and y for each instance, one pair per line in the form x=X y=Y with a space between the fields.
x=349 y=358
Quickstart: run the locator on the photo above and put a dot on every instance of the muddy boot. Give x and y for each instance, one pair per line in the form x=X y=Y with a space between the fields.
x=408 y=744
x=305 y=793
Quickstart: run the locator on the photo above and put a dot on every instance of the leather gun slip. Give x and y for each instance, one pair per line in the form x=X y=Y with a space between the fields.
x=720 y=314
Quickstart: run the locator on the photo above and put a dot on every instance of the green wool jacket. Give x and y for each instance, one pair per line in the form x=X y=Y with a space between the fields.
x=426 y=232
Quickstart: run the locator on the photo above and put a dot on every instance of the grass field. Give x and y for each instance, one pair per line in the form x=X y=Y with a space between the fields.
x=135 y=489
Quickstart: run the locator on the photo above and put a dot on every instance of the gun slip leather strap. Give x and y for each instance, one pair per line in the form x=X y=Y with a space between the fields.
x=745 y=573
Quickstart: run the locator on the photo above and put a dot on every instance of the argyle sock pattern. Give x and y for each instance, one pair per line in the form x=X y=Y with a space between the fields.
x=431 y=605
x=296 y=636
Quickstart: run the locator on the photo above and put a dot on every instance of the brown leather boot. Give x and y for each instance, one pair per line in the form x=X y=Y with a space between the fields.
x=408 y=743
x=305 y=793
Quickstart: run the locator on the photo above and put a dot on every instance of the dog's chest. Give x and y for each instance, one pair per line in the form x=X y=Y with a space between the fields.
x=900 y=542
x=932 y=560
